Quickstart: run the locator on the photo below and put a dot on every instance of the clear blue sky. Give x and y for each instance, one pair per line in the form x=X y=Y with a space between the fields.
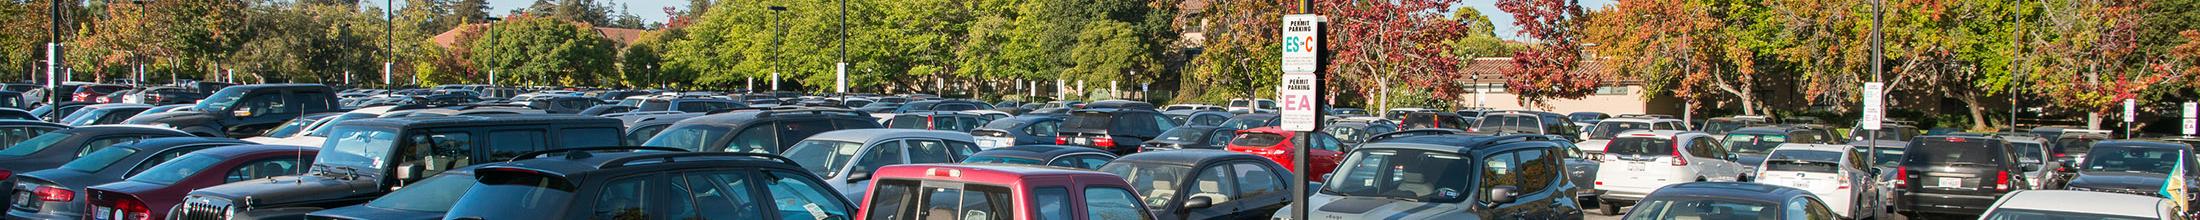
x=653 y=10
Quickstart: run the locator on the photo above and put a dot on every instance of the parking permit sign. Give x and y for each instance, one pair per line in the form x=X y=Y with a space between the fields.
x=1300 y=43
x=1298 y=102
x=2191 y=110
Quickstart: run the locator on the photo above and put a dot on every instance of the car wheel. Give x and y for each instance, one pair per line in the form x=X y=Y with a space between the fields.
x=1608 y=208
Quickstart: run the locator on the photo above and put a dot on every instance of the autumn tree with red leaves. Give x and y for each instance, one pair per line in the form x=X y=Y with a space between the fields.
x=1385 y=44
x=1546 y=69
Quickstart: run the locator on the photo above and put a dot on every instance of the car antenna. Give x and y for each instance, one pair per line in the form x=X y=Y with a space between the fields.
x=300 y=156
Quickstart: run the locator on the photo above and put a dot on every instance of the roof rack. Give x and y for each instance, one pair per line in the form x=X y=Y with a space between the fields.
x=669 y=157
x=814 y=111
x=532 y=155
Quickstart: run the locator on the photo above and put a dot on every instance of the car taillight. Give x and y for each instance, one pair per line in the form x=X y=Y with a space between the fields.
x=1901 y=177
x=1061 y=140
x=52 y=194
x=928 y=125
x=2001 y=181
x=1104 y=142
x=1678 y=159
x=132 y=209
x=4 y=174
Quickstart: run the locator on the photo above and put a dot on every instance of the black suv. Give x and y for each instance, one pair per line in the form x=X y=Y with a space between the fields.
x=1955 y=175
x=1450 y=176
x=1419 y=120
x=1119 y=130
x=1525 y=122
x=366 y=158
x=2134 y=167
x=246 y=110
x=650 y=185
x=757 y=131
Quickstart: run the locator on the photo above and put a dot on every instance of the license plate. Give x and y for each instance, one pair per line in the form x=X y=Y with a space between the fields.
x=1080 y=141
x=102 y=213
x=1951 y=182
x=1635 y=167
x=988 y=143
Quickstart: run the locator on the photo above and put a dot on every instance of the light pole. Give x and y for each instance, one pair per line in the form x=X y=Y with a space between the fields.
x=778 y=13
x=491 y=36
x=840 y=70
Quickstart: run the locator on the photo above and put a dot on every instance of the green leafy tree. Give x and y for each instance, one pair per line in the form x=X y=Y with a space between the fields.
x=544 y=52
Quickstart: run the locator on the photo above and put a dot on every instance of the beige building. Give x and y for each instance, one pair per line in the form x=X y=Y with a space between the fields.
x=1620 y=96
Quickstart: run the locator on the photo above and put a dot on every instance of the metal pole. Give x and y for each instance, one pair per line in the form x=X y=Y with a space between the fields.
x=53 y=60
x=841 y=70
x=1299 y=186
x=1878 y=59
x=777 y=13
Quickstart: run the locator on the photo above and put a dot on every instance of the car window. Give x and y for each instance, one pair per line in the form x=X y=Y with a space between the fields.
x=311 y=101
x=1502 y=169
x=164 y=157
x=1255 y=180
x=104 y=142
x=262 y=169
x=642 y=135
x=800 y=198
x=587 y=137
x=264 y=105
x=437 y=152
x=961 y=150
x=1639 y=147
x=1215 y=184
x=1539 y=169
x=1052 y=203
x=1043 y=128
x=12 y=135
x=98 y=160
x=1112 y=203
x=796 y=130
x=507 y=144
x=969 y=202
x=1161 y=123
x=1220 y=137
x=626 y=198
x=754 y=139
x=928 y=151
x=888 y=153
x=1329 y=142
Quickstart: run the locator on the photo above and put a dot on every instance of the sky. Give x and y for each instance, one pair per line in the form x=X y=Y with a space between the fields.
x=652 y=11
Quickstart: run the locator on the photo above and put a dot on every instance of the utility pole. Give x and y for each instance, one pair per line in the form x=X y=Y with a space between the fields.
x=840 y=70
x=1878 y=61
x=778 y=12
x=53 y=60
x=389 y=48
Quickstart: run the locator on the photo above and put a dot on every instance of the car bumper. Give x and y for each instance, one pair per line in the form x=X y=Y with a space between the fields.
x=23 y=215
x=1945 y=203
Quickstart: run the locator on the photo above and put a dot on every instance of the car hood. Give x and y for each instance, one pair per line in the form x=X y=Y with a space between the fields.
x=363 y=212
x=1593 y=145
x=2119 y=181
x=172 y=118
x=70 y=178
x=1328 y=207
x=283 y=190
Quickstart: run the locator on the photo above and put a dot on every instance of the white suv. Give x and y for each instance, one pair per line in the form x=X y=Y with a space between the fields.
x=1594 y=140
x=1639 y=162
x=1838 y=174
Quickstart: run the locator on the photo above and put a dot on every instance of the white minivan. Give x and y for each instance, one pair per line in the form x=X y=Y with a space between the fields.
x=1838 y=174
x=1639 y=162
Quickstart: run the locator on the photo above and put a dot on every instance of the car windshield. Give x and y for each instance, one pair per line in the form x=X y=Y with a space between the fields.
x=98 y=159
x=2030 y=151
x=357 y=147
x=2131 y=160
x=1887 y=157
x=1182 y=135
x=1754 y=143
x=220 y=101
x=431 y=195
x=823 y=158
x=2075 y=146
x=176 y=169
x=1412 y=175
x=321 y=128
x=1349 y=133
x=2028 y=214
x=692 y=138
x=289 y=129
x=1606 y=130
x=35 y=144
x=1006 y=160
x=1583 y=117
x=1155 y=182
x=1690 y=207
x=1958 y=152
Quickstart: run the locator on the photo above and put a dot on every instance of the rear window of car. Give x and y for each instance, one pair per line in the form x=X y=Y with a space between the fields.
x=1255 y=139
x=1803 y=161
x=98 y=159
x=2131 y=159
x=1089 y=121
x=1938 y=152
x=1639 y=146
x=538 y=196
x=1525 y=124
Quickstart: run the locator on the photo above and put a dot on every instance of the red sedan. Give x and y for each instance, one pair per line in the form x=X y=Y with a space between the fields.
x=1277 y=144
x=148 y=195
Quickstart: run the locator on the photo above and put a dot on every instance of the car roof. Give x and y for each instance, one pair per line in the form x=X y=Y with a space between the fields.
x=579 y=162
x=1186 y=157
x=1637 y=120
x=1037 y=151
x=2133 y=143
x=1456 y=143
x=470 y=120
x=248 y=148
x=1752 y=192
x=276 y=85
x=1659 y=134
x=1765 y=129
x=742 y=117
x=124 y=128
x=991 y=173
x=2093 y=202
x=167 y=142
x=1813 y=147
x=873 y=135
x=21 y=122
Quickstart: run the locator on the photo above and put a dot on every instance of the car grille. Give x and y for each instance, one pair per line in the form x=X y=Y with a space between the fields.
x=204 y=208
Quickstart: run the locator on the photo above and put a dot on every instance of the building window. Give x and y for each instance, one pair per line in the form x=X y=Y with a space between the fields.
x=1611 y=90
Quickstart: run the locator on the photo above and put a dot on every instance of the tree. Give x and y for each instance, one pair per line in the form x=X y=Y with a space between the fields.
x=1667 y=44
x=2088 y=48
x=1546 y=69
x=470 y=11
x=544 y=52
x=1242 y=37
x=1380 y=44
x=1111 y=51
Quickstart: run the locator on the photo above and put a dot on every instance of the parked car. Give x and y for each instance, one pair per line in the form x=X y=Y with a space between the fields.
x=1581 y=169
x=606 y=109
x=562 y=104
x=1195 y=107
x=1637 y=163
x=312 y=135
x=1119 y=104
x=2136 y=167
x=1205 y=184
x=14 y=132
x=2059 y=204
x=1350 y=112
x=396 y=152
x=1449 y=176
x=943 y=121
x=1590 y=117
x=55 y=112
x=1044 y=155
x=685 y=104
x=1244 y=106
x=1190 y=117
x=1353 y=131
x=1115 y=130
x=56 y=188
x=1278 y=145
x=1611 y=128
x=90 y=93
x=1886 y=132
x=1247 y=121
x=16 y=114
x=1395 y=114
x=1837 y=174
x=246 y=110
x=846 y=158
x=2033 y=155
x=1753 y=143
x=642 y=126
x=51 y=149
x=1019 y=130
x=428 y=199
x=152 y=193
x=1955 y=175
x=296 y=126
x=1731 y=201
x=908 y=192
x=649 y=185
x=1419 y=120
x=2071 y=147
x=101 y=114
x=1721 y=125
x=942 y=105
x=166 y=95
x=761 y=131
x=1191 y=137
x=1524 y=122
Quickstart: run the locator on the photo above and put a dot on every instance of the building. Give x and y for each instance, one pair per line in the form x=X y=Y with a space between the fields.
x=1486 y=88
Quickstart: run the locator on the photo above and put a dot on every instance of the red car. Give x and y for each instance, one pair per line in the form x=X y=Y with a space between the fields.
x=150 y=194
x=957 y=191
x=1276 y=144
x=94 y=93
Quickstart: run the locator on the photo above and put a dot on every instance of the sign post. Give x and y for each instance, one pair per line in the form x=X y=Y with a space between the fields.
x=2130 y=115
x=2191 y=109
x=1301 y=93
x=1873 y=111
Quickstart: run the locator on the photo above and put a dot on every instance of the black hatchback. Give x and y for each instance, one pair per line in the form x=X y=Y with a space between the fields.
x=649 y=185
x=1955 y=175
x=1114 y=130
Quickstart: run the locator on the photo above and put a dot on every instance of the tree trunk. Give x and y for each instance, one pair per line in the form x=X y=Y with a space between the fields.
x=1978 y=113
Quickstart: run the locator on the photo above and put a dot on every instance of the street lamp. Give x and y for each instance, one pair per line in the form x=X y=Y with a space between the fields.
x=777 y=16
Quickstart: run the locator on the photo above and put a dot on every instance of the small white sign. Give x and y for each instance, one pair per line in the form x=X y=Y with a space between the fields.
x=1300 y=43
x=1297 y=100
x=1873 y=108
x=2189 y=126
x=2191 y=123
x=2130 y=114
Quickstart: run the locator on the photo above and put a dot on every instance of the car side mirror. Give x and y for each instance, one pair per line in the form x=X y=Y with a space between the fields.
x=408 y=171
x=1198 y=202
x=861 y=176
x=1502 y=194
